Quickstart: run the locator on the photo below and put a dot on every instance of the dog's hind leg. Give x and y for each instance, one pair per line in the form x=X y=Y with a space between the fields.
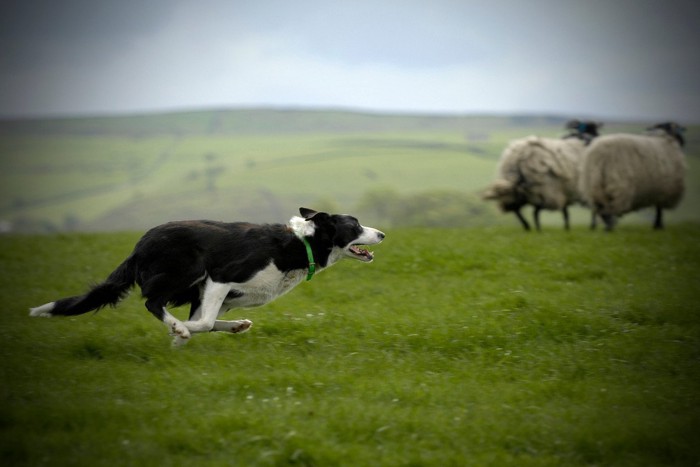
x=212 y=299
x=235 y=327
x=195 y=310
x=174 y=325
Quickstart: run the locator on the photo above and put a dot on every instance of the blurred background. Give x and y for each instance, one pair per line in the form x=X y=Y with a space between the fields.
x=123 y=115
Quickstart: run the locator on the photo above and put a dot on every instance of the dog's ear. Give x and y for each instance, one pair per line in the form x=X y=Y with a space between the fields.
x=317 y=217
x=320 y=219
x=307 y=213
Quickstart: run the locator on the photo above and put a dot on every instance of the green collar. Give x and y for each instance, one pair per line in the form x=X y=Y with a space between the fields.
x=310 y=255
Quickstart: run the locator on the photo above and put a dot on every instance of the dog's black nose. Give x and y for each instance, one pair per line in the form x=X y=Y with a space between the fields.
x=381 y=235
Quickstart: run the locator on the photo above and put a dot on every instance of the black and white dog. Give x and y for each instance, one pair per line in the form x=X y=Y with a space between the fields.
x=216 y=266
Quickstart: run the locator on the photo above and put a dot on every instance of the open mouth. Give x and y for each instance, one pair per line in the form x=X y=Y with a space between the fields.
x=360 y=252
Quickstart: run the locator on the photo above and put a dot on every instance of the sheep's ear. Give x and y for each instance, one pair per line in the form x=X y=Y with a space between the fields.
x=572 y=124
x=666 y=126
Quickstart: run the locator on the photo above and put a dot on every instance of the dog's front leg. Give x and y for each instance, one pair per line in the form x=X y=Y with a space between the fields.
x=212 y=299
x=237 y=327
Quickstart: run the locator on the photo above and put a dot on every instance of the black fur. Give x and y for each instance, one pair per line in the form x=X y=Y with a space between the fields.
x=171 y=261
x=110 y=292
x=586 y=131
x=673 y=129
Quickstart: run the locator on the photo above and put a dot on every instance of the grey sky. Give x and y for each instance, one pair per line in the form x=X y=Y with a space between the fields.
x=604 y=58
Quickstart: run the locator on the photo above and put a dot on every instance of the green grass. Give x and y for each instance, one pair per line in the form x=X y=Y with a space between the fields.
x=455 y=347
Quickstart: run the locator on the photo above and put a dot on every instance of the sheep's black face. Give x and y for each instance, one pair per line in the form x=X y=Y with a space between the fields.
x=673 y=129
x=589 y=128
x=584 y=130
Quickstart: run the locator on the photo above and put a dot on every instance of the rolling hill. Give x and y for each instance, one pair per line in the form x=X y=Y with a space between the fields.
x=131 y=172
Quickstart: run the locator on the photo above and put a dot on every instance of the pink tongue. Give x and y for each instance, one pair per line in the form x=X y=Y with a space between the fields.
x=359 y=251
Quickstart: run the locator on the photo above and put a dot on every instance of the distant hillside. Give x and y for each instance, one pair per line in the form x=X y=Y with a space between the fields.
x=132 y=172
x=268 y=121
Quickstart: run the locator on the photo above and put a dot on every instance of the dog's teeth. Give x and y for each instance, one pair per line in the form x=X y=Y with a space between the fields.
x=361 y=250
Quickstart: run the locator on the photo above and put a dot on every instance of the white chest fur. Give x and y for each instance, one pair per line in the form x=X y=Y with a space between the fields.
x=263 y=287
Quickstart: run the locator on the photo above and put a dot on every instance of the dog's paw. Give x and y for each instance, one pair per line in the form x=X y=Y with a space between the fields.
x=240 y=326
x=181 y=335
x=180 y=341
x=179 y=330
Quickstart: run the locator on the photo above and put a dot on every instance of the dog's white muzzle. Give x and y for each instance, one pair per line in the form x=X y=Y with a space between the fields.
x=369 y=236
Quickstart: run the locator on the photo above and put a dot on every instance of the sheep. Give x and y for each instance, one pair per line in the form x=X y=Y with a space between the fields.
x=542 y=172
x=621 y=173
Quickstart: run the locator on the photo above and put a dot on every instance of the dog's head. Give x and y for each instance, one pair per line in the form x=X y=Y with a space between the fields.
x=340 y=236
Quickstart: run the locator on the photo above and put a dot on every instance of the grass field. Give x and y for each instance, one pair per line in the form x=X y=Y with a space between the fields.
x=455 y=347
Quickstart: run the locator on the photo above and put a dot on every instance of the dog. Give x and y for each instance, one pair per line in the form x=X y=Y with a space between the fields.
x=216 y=266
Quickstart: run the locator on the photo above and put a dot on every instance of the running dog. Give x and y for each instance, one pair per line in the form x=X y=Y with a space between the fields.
x=217 y=266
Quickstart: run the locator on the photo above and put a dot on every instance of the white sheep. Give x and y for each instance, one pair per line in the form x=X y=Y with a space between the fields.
x=542 y=172
x=622 y=173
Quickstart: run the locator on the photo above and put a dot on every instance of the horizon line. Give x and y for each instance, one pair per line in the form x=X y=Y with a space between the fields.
x=319 y=109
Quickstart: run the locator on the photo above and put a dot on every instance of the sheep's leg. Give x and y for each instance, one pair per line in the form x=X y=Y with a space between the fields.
x=536 y=215
x=565 y=212
x=659 y=222
x=609 y=220
x=594 y=219
x=522 y=220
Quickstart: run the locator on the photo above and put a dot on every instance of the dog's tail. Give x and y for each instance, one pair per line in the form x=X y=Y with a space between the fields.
x=109 y=292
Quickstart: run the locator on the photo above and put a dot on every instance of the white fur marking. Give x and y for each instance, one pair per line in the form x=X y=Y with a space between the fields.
x=43 y=310
x=177 y=329
x=212 y=299
x=301 y=227
x=204 y=276
x=265 y=286
x=370 y=236
x=236 y=327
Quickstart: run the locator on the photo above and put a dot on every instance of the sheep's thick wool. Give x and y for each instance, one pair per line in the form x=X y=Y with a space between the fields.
x=623 y=173
x=542 y=172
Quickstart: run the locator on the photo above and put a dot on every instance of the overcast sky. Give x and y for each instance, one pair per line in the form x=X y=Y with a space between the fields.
x=602 y=58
